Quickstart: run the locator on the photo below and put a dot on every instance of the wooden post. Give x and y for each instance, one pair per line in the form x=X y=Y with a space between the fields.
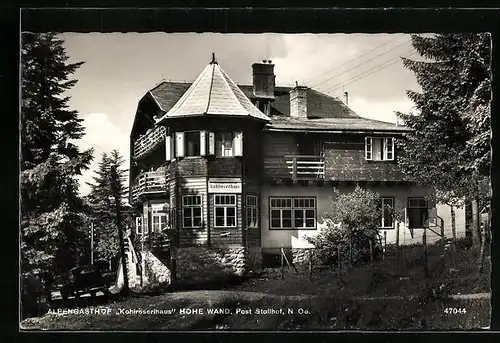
x=339 y=262
x=116 y=194
x=282 y=261
x=92 y=243
x=371 y=257
x=350 y=251
x=424 y=241
x=385 y=245
x=310 y=265
x=294 y=167
x=396 y=263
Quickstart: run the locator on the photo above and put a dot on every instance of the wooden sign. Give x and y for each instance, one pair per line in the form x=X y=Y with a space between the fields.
x=224 y=187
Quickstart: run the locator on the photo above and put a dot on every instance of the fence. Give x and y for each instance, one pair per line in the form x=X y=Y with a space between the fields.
x=427 y=258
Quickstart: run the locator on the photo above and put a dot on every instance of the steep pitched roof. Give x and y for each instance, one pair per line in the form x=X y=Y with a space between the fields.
x=213 y=93
x=328 y=113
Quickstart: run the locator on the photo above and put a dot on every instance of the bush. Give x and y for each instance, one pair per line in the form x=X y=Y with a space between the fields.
x=354 y=223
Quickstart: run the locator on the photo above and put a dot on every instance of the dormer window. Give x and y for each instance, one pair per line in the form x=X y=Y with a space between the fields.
x=379 y=148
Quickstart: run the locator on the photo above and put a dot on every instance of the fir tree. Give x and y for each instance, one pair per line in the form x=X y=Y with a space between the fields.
x=102 y=205
x=449 y=147
x=51 y=209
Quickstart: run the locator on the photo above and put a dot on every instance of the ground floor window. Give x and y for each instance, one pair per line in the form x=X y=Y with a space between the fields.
x=191 y=211
x=138 y=225
x=159 y=218
x=252 y=211
x=387 y=208
x=417 y=213
x=225 y=210
x=292 y=213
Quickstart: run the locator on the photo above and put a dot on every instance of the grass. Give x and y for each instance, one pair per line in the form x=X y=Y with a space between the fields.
x=460 y=276
x=323 y=303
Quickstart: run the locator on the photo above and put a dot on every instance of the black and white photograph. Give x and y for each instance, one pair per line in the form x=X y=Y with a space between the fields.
x=267 y=181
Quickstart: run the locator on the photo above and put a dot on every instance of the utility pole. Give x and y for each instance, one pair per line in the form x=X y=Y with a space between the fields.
x=116 y=195
x=92 y=243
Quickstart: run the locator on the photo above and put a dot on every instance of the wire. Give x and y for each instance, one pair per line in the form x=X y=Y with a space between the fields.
x=368 y=72
x=362 y=63
x=356 y=58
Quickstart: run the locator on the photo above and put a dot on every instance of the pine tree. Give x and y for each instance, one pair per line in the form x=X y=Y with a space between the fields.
x=102 y=205
x=449 y=147
x=51 y=209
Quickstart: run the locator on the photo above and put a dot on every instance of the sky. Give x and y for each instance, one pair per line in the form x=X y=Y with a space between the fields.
x=120 y=68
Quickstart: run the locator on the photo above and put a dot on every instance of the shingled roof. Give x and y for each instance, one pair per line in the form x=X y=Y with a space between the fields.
x=282 y=123
x=213 y=93
x=325 y=113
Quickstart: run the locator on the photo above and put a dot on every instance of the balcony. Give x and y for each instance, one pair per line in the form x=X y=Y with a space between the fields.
x=295 y=167
x=149 y=183
x=148 y=142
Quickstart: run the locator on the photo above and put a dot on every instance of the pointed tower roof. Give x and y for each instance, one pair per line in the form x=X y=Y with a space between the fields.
x=213 y=93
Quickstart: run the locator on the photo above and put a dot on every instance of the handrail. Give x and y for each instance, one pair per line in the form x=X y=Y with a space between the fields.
x=148 y=182
x=149 y=141
x=298 y=166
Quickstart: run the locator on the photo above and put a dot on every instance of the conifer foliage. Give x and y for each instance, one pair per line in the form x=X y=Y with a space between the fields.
x=449 y=148
x=102 y=204
x=51 y=210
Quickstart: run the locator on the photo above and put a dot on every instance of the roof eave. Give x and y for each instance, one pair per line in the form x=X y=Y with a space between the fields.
x=357 y=131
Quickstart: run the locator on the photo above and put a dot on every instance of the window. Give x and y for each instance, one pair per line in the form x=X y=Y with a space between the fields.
x=138 y=225
x=417 y=214
x=192 y=143
x=252 y=211
x=191 y=211
x=296 y=213
x=387 y=212
x=225 y=210
x=159 y=218
x=224 y=144
x=379 y=148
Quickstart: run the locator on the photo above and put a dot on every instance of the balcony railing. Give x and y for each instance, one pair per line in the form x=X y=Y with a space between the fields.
x=147 y=143
x=295 y=167
x=149 y=183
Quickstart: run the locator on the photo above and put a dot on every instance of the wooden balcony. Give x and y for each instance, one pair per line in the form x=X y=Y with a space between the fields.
x=148 y=142
x=295 y=167
x=149 y=183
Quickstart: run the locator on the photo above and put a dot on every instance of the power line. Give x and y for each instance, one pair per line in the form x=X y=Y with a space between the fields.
x=362 y=63
x=356 y=58
x=369 y=72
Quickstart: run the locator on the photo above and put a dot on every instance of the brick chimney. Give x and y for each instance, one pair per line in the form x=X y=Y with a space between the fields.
x=263 y=79
x=298 y=102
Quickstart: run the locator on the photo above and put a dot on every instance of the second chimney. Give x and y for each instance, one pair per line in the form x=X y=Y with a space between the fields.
x=346 y=98
x=298 y=102
x=263 y=80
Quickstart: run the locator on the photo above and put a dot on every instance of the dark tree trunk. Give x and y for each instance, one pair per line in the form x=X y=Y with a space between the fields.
x=476 y=234
x=453 y=226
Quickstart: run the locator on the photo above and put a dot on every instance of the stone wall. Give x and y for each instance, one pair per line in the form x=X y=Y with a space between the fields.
x=301 y=256
x=254 y=258
x=155 y=272
x=204 y=264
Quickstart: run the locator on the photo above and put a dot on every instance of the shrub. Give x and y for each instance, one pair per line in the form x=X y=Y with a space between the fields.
x=353 y=224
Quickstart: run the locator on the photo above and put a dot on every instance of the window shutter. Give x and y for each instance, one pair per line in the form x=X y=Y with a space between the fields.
x=211 y=143
x=145 y=226
x=389 y=148
x=203 y=143
x=368 y=148
x=238 y=144
x=179 y=143
x=168 y=148
x=407 y=222
x=138 y=225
